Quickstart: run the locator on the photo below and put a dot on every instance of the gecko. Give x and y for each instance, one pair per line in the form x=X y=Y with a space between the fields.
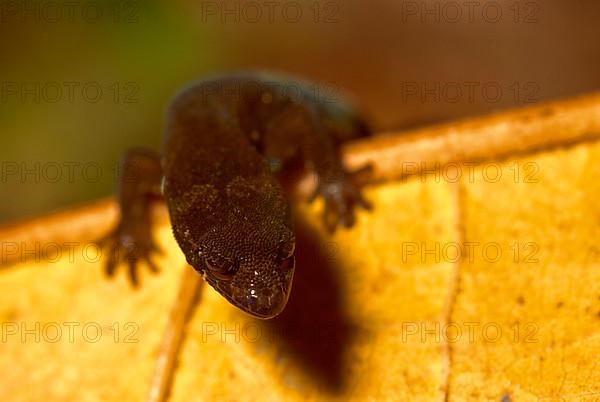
x=226 y=137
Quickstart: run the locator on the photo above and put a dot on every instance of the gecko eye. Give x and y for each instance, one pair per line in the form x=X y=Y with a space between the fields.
x=288 y=263
x=287 y=249
x=221 y=267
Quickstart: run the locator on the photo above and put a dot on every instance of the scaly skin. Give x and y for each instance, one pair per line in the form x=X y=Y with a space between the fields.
x=229 y=214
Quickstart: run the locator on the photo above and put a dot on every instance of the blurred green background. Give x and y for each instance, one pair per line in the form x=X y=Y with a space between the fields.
x=83 y=81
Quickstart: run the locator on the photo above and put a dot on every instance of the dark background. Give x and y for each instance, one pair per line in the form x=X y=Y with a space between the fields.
x=408 y=63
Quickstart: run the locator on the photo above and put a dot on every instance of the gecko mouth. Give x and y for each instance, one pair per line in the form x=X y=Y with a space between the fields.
x=263 y=303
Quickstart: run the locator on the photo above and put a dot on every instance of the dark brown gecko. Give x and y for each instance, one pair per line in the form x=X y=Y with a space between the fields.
x=225 y=137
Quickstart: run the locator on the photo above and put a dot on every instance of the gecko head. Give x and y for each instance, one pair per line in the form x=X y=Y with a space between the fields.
x=240 y=238
x=246 y=250
x=256 y=279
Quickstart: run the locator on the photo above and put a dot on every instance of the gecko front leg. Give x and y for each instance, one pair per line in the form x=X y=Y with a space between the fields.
x=131 y=241
x=316 y=132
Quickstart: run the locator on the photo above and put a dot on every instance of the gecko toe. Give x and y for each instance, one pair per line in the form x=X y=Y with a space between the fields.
x=133 y=276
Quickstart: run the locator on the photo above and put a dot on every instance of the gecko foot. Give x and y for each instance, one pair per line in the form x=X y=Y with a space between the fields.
x=342 y=196
x=129 y=245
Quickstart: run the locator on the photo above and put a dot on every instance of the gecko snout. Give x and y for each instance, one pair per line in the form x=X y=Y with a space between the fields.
x=265 y=297
x=268 y=301
x=260 y=294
